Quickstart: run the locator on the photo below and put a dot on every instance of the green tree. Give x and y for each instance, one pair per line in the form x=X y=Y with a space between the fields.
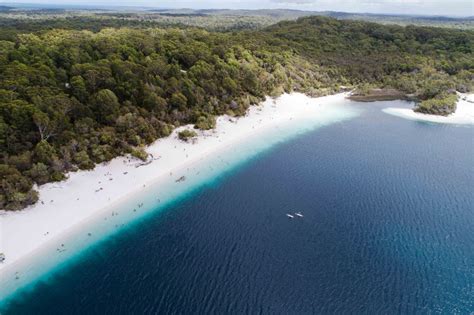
x=105 y=103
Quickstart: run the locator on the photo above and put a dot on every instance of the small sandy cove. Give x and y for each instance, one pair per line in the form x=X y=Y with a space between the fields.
x=464 y=113
x=70 y=205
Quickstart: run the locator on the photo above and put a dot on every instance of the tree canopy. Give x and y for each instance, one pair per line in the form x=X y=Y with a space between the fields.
x=72 y=98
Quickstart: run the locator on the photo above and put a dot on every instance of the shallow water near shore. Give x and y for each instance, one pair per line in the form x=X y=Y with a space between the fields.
x=388 y=227
x=129 y=213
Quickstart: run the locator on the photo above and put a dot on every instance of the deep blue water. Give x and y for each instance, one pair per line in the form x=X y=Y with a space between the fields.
x=388 y=228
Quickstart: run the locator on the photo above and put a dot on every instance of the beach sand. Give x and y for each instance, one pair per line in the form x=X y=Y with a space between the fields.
x=464 y=113
x=67 y=210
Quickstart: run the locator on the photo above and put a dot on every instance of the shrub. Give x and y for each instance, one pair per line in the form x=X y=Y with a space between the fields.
x=186 y=134
x=83 y=161
x=39 y=173
x=442 y=105
x=15 y=189
x=206 y=122
x=139 y=153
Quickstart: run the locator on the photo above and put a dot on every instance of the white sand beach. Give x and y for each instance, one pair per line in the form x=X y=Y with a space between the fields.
x=464 y=113
x=67 y=209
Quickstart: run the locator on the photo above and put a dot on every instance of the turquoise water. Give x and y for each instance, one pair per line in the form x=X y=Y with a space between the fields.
x=388 y=227
x=155 y=199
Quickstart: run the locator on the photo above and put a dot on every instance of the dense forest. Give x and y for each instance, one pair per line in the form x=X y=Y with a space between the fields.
x=71 y=98
x=33 y=18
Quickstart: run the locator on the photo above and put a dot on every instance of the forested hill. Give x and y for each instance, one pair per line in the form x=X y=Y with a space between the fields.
x=72 y=98
x=403 y=57
x=22 y=18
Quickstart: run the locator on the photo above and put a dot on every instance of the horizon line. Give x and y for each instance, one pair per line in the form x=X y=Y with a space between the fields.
x=150 y=7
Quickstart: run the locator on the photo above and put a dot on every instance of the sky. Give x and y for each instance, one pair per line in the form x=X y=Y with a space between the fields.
x=419 y=7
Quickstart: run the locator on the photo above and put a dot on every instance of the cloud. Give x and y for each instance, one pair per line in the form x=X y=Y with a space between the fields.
x=422 y=7
x=428 y=7
x=293 y=1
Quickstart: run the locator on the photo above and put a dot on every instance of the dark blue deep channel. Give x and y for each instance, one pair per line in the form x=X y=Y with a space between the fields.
x=388 y=228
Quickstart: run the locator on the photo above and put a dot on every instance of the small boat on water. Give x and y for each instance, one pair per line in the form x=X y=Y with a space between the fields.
x=2 y=257
x=299 y=214
x=289 y=216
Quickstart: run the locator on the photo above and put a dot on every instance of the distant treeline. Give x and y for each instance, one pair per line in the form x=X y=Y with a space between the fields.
x=74 y=96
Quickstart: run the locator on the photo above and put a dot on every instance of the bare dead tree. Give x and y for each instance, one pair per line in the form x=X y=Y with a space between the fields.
x=45 y=126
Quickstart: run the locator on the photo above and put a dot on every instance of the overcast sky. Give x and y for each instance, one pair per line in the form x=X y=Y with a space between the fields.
x=425 y=7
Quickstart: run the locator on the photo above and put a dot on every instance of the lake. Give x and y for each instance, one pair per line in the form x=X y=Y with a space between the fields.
x=388 y=227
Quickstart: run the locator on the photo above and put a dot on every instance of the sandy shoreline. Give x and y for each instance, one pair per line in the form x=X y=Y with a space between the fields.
x=464 y=113
x=71 y=206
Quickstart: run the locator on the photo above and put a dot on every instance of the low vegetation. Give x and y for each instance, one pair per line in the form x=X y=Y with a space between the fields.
x=206 y=122
x=186 y=134
x=366 y=94
x=443 y=105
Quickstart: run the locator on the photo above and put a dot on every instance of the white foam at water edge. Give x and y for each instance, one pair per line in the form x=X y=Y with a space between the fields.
x=464 y=114
x=77 y=213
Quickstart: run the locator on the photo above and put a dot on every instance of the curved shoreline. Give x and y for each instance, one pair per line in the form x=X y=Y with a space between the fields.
x=80 y=210
x=464 y=113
